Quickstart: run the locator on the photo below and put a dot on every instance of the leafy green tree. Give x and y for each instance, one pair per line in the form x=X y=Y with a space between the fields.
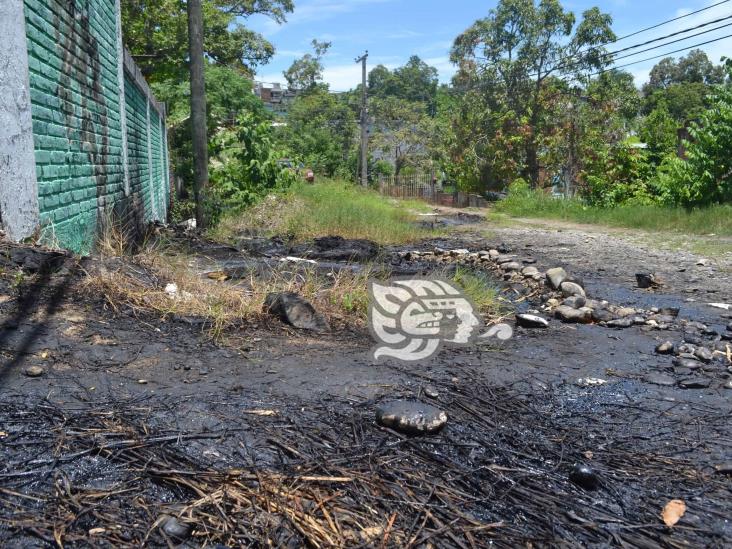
x=513 y=55
x=660 y=131
x=245 y=166
x=415 y=82
x=306 y=72
x=156 y=32
x=321 y=131
x=705 y=176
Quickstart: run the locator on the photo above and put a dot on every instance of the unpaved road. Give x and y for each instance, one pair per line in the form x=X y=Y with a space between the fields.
x=275 y=399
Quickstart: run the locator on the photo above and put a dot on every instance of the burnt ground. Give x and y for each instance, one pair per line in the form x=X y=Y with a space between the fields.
x=270 y=439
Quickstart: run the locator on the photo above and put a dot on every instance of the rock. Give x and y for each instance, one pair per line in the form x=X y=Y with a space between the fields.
x=729 y=327
x=590 y=382
x=511 y=266
x=296 y=311
x=584 y=477
x=686 y=348
x=552 y=303
x=639 y=320
x=728 y=384
x=410 y=417
x=34 y=371
x=660 y=379
x=704 y=354
x=556 y=277
x=724 y=468
x=494 y=254
x=594 y=304
x=646 y=280
x=572 y=288
x=695 y=383
x=568 y=314
x=622 y=312
x=670 y=311
x=504 y=249
x=503 y=259
x=459 y=252
x=531 y=321
x=530 y=272
x=665 y=348
x=621 y=323
x=663 y=319
x=693 y=339
x=175 y=529
x=576 y=302
x=601 y=315
x=187 y=225
x=431 y=391
x=689 y=363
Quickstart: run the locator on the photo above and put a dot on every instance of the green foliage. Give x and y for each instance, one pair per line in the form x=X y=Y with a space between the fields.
x=415 y=82
x=306 y=72
x=705 y=177
x=660 y=131
x=619 y=175
x=245 y=166
x=321 y=131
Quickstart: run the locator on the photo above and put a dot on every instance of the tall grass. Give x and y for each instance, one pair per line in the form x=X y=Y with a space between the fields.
x=712 y=219
x=328 y=208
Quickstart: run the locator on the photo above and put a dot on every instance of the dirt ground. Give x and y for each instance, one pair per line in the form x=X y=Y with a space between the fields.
x=270 y=439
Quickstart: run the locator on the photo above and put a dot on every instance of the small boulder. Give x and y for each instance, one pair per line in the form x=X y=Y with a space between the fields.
x=531 y=321
x=660 y=379
x=622 y=312
x=556 y=277
x=570 y=315
x=576 y=302
x=530 y=272
x=411 y=418
x=665 y=348
x=621 y=323
x=572 y=288
x=695 y=383
x=601 y=315
x=175 y=529
x=689 y=363
x=704 y=354
x=34 y=371
x=647 y=280
x=511 y=266
x=296 y=311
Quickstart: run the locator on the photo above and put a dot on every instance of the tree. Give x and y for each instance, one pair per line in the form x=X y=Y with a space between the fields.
x=321 y=131
x=306 y=72
x=402 y=132
x=415 y=82
x=660 y=131
x=156 y=32
x=513 y=55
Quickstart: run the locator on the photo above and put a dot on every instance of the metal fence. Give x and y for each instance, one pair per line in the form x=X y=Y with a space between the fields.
x=426 y=187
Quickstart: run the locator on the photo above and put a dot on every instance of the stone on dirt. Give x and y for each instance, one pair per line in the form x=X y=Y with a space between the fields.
x=621 y=323
x=556 y=277
x=572 y=288
x=511 y=266
x=690 y=363
x=411 y=417
x=175 y=529
x=704 y=354
x=660 y=379
x=695 y=383
x=34 y=371
x=584 y=477
x=648 y=280
x=431 y=391
x=622 y=312
x=530 y=271
x=665 y=348
x=296 y=311
x=531 y=321
x=568 y=314
x=601 y=315
x=576 y=302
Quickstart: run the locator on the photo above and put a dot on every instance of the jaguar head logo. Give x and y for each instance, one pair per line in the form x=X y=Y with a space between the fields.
x=411 y=319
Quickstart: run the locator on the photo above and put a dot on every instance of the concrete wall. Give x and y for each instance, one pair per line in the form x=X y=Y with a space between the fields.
x=90 y=108
x=18 y=189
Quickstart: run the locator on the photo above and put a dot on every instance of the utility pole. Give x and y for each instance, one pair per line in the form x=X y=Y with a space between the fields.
x=364 y=123
x=198 y=107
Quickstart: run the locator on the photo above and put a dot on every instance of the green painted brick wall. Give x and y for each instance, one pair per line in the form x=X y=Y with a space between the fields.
x=77 y=122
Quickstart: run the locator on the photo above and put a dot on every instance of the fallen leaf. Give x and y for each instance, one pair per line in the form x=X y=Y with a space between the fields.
x=96 y=531
x=264 y=413
x=673 y=512
x=219 y=276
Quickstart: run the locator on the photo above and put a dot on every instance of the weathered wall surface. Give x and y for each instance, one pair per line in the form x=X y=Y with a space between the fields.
x=89 y=103
x=18 y=191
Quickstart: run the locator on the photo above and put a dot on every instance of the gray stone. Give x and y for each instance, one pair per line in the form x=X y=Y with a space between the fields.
x=728 y=384
x=556 y=277
x=729 y=327
x=663 y=319
x=665 y=348
x=689 y=363
x=296 y=311
x=576 y=302
x=621 y=323
x=584 y=477
x=595 y=304
x=175 y=529
x=648 y=280
x=695 y=383
x=686 y=349
x=431 y=391
x=34 y=371
x=511 y=266
x=622 y=312
x=693 y=339
x=568 y=314
x=530 y=272
x=670 y=311
x=410 y=417
x=494 y=254
x=704 y=354
x=601 y=315
x=639 y=320
x=572 y=288
x=531 y=321
x=660 y=379
x=503 y=259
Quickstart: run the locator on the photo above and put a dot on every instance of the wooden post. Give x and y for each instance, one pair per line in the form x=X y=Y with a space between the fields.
x=198 y=107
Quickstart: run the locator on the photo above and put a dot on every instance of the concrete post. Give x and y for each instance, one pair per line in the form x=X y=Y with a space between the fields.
x=19 y=214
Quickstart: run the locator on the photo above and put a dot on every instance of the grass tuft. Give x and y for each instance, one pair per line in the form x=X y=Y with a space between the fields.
x=325 y=209
x=700 y=221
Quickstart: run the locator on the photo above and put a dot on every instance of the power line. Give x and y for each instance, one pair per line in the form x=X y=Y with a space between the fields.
x=662 y=55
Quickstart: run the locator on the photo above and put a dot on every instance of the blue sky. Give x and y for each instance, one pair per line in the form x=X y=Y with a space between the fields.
x=392 y=30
